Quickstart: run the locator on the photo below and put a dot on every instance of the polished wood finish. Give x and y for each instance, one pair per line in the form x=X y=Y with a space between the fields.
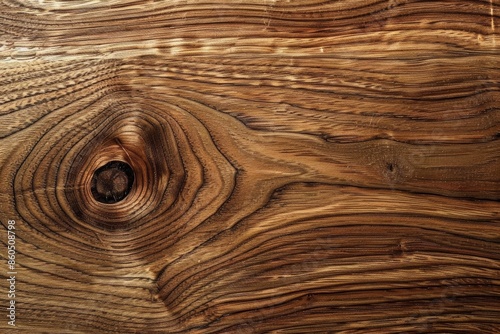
x=299 y=166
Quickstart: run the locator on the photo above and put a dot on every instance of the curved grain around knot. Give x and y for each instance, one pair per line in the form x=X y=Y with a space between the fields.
x=169 y=153
x=160 y=156
x=262 y=166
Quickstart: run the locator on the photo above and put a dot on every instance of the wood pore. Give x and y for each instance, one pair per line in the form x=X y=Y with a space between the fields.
x=298 y=166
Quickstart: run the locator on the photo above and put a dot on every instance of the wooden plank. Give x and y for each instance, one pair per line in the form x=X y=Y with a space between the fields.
x=295 y=166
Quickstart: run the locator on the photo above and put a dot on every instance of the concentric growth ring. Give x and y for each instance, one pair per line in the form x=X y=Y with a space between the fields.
x=125 y=169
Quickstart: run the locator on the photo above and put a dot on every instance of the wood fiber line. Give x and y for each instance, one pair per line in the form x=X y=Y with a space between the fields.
x=298 y=166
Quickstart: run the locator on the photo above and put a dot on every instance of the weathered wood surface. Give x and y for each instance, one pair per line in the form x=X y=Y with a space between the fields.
x=300 y=166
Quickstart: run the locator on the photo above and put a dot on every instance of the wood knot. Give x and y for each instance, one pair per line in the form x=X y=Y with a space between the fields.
x=112 y=182
x=402 y=249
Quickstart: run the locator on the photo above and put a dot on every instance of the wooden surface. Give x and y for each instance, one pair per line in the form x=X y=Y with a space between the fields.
x=299 y=166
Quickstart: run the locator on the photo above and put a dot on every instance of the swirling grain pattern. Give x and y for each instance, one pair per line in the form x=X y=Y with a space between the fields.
x=298 y=166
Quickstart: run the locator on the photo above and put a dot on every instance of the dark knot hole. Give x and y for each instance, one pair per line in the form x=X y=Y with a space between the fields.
x=112 y=182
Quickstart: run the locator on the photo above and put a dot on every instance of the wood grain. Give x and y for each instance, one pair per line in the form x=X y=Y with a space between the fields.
x=299 y=166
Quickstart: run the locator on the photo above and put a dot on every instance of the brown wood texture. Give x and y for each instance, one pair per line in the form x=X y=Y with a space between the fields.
x=299 y=166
